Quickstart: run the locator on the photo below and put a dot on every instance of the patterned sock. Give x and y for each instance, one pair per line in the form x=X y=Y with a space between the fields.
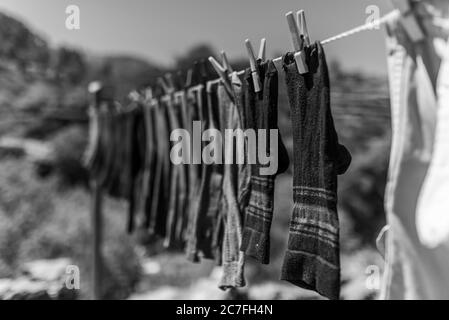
x=312 y=260
x=262 y=110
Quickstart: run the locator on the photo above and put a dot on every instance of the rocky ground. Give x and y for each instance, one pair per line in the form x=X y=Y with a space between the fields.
x=39 y=280
x=169 y=277
x=357 y=281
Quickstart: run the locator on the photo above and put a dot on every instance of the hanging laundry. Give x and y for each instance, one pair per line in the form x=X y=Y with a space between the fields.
x=312 y=260
x=132 y=169
x=233 y=258
x=247 y=119
x=149 y=175
x=262 y=114
x=178 y=184
x=161 y=191
x=412 y=270
x=224 y=211
x=433 y=204
x=107 y=146
x=196 y=97
x=205 y=224
x=189 y=172
x=115 y=152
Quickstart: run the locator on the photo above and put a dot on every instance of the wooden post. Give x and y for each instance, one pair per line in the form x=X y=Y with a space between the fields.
x=97 y=222
x=95 y=89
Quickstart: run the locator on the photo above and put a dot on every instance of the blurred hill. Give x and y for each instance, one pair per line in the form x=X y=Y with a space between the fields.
x=41 y=86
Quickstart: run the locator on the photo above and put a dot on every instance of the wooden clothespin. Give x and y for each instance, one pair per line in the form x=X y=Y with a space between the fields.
x=94 y=88
x=189 y=78
x=101 y=96
x=148 y=94
x=294 y=32
x=304 y=34
x=179 y=93
x=298 y=44
x=302 y=26
x=253 y=63
x=150 y=98
x=170 y=81
x=165 y=87
x=409 y=21
x=222 y=72
x=180 y=97
x=226 y=63
x=195 y=93
x=278 y=64
x=262 y=49
x=100 y=92
x=134 y=96
x=168 y=87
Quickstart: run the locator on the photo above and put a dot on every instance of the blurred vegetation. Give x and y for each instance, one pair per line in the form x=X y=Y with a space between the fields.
x=69 y=145
x=41 y=220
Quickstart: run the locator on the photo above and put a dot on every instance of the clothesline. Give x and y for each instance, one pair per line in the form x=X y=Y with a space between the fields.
x=395 y=14
x=332 y=286
x=391 y=16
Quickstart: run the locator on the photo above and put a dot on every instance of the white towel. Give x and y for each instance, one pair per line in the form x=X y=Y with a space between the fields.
x=432 y=221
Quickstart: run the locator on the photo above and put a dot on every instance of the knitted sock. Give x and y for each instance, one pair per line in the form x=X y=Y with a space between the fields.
x=263 y=111
x=205 y=210
x=312 y=260
x=135 y=161
x=149 y=176
x=161 y=189
x=233 y=258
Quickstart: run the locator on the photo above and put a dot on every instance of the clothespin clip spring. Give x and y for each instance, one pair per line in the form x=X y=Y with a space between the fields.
x=253 y=63
x=298 y=43
x=222 y=72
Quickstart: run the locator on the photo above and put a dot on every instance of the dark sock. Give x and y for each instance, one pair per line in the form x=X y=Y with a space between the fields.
x=312 y=260
x=259 y=213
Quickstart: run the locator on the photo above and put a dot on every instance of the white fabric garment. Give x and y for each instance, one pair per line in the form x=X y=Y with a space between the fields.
x=433 y=205
x=412 y=270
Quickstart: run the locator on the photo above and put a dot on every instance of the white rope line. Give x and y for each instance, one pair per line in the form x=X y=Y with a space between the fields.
x=393 y=15
x=368 y=26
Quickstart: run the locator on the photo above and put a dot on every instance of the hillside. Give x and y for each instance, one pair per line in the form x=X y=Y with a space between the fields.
x=42 y=86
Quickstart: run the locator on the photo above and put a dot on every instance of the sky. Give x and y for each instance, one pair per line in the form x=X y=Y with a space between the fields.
x=160 y=30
